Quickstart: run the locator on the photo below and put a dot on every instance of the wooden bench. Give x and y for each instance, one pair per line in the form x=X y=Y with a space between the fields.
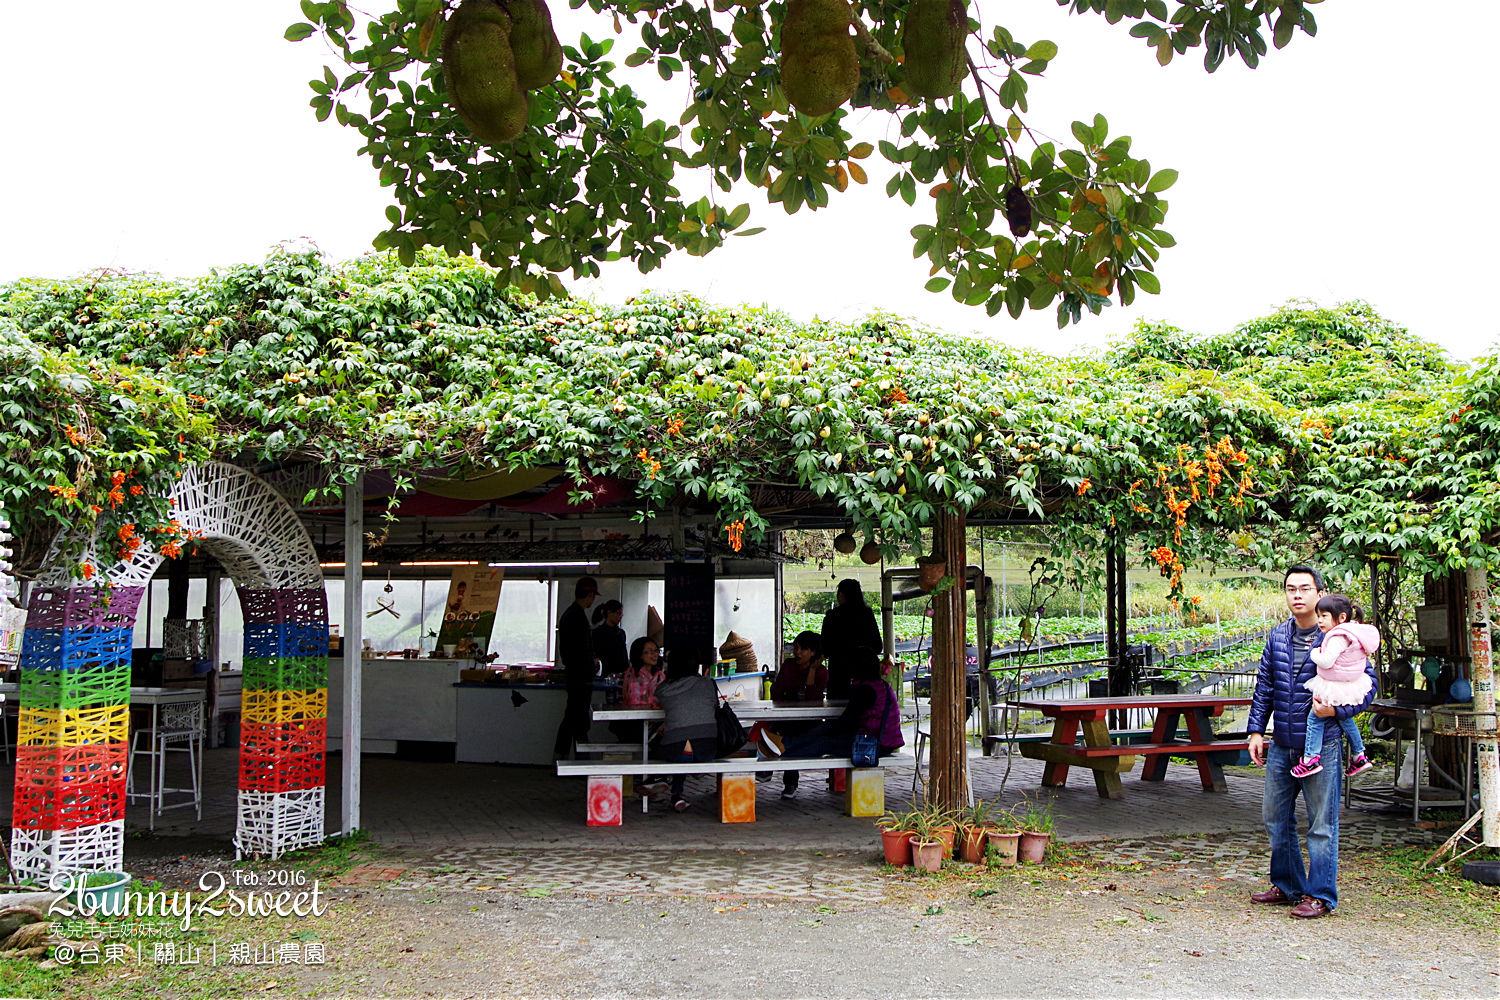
x=864 y=791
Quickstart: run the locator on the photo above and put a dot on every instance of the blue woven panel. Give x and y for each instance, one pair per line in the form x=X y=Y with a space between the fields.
x=289 y=639
x=77 y=648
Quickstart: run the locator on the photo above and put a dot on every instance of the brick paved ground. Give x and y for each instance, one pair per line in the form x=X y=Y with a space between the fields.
x=411 y=804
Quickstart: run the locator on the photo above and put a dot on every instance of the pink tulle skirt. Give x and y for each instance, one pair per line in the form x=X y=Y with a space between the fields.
x=1340 y=692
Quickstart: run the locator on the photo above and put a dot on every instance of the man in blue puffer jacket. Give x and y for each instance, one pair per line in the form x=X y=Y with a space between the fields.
x=1281 y=698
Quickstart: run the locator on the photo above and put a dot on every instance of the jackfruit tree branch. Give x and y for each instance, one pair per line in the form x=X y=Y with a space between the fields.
x=873 y=48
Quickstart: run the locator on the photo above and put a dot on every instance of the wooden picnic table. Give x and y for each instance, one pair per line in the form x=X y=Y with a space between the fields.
x=1109 y=760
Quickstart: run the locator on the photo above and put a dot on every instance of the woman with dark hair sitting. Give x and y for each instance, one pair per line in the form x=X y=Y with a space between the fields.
x=872 y=711
x=690 y=732
x=801 y=678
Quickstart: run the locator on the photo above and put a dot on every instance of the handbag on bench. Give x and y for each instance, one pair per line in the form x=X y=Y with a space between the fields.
x=731 y=734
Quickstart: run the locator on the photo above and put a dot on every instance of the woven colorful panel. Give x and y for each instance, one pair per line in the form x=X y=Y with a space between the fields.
x=287 y=738
x=287 y=639
x=75 y=648
x=279 y=772
x=71 y=727
x=74 y=804
x=285 y=673
x=273 y=708
x=76 y=688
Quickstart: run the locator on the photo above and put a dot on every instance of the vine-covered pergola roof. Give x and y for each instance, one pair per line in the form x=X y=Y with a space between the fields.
x=736 y=414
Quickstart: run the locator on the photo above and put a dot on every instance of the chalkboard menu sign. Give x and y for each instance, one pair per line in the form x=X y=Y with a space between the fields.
x=690 y=609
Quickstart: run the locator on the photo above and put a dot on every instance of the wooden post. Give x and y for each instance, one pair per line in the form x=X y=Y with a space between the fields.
x=1482 y=680
x=949 y=782
x=354 y=619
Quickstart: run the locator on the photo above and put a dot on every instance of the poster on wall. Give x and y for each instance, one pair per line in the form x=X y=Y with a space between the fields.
x=469 y=612
x=12 y=630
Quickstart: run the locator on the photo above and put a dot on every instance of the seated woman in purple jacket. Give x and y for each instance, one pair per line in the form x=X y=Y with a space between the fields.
x=871 y=710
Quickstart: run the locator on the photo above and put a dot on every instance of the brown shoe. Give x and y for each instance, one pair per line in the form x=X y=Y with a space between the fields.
x=1311 y=907
x=1273 y=896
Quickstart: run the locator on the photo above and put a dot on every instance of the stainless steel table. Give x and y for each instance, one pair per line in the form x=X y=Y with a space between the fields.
x=1415 y=720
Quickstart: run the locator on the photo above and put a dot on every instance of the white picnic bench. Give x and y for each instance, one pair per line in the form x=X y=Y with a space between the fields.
x=865 y=788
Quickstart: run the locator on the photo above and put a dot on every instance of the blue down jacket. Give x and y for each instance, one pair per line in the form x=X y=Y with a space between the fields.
x=1279 y=695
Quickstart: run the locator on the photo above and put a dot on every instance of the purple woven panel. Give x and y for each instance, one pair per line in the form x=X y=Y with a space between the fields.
x=277 y=606
x=74 y=607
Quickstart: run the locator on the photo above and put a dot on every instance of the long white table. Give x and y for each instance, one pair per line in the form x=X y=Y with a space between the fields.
x=745 y=711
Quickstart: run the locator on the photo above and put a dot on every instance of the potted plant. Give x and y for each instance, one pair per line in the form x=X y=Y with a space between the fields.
x=926 y=848
x=944 y=825
x=1035 y=821
x=978 y=820
x=896 y=832
x=1004 y=840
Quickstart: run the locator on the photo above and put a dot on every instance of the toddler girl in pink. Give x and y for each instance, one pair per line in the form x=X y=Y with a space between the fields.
x=1341 y=680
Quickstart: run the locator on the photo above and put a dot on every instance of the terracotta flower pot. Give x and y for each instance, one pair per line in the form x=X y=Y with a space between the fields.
x=927 y=854
x=971 y=848
x=1033 y=847
x=946 y=834
x=1007 y=844
x=897 y=844
x=929 y=572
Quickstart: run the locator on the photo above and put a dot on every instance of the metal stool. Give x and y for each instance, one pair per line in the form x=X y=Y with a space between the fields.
x=179 y=730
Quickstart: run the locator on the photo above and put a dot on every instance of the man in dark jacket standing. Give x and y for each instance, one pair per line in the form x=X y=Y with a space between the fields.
x=575 y=651
x=1281 y=698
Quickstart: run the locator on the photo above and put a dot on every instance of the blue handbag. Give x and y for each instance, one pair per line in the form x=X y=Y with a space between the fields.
x=865 y=751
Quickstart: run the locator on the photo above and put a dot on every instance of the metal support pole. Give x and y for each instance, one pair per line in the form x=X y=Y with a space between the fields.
x=779 y=584
x=1482 y=680
x=211 y=618
x=354 y=619
x=949 y=784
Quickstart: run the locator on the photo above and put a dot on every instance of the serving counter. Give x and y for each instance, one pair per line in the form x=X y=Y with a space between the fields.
x=421 y=708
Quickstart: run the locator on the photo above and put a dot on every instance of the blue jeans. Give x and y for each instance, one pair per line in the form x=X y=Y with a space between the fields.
x=705 y=748
x=1320 y=796
x=1315 y=734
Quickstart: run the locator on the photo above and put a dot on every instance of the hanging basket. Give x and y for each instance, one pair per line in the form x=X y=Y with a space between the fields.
x=930 y=572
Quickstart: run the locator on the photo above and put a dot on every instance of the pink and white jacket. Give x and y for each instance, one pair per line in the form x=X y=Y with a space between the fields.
x=1341 y=658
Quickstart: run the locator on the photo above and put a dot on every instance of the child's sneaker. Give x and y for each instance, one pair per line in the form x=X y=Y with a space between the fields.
x=1358 y=765
x=1307 y=766
x=682 y=805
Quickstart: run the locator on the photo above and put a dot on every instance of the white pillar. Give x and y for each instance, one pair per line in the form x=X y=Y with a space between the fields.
x=1482 y=679
x=354 y=619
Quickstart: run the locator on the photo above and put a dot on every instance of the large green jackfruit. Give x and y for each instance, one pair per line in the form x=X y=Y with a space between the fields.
x=819 y=67
x=479 y=72
x=933 y=38
x=534 y=44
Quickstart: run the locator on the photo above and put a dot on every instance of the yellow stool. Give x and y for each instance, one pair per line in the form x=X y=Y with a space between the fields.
x=864 y=795
x=737 y=798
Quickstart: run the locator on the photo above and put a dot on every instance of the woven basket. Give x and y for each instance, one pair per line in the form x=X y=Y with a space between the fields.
x=740 y=650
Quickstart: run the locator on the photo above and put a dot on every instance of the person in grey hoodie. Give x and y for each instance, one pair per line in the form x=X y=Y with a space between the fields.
x=690 y=732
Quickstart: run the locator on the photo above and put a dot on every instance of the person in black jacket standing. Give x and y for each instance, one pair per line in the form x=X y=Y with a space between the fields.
x=1280 y=697
x=575 y=651
x=848 y=625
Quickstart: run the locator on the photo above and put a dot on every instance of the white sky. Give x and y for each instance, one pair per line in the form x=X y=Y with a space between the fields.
x=176 y=137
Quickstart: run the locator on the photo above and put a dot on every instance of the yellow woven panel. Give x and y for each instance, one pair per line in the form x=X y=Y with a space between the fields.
x=73 y=727
x=275 y=707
